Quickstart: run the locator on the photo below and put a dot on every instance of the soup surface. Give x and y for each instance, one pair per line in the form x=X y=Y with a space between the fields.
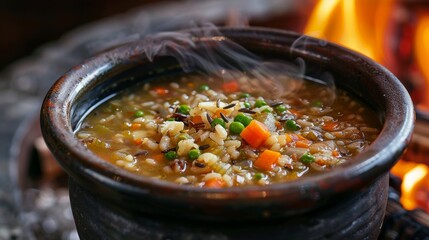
x=207 y=132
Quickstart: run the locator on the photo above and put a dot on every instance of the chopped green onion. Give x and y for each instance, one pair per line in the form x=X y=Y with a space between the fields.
x=245 y=120
x=203 y=88
x=260 y=103
x=247 y=105
x=307 y=158
x=139 y=113
x=184 y=109
x=171 y=155
x=266 y=110
x=171 y=119
x=194 y=154
x=292 y=125
x=236 y=128
x=219 y=121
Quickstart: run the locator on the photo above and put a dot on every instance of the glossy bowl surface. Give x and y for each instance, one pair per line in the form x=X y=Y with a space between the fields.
x=108 y=72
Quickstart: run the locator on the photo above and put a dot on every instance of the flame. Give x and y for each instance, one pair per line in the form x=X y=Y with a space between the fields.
x=421 y=52
x=359 y=25
x=411 y=183
x=414 y=178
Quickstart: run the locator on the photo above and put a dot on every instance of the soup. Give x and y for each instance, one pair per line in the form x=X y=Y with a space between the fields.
x=207 y=132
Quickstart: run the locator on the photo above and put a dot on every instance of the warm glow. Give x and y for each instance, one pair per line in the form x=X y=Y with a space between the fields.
x=421 y=52
x=411 y=183
x=360 y=25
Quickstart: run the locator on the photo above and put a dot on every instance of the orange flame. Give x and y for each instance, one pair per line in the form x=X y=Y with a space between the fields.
x=421 y=52
x=359 y=25
x=414 y=178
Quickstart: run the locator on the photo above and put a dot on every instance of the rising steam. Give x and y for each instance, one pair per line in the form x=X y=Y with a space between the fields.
x=205 y=49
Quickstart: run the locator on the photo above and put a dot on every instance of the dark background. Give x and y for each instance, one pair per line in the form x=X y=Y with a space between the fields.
x=27 y=24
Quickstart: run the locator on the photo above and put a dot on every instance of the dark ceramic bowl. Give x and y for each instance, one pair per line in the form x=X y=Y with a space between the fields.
x=132 y=196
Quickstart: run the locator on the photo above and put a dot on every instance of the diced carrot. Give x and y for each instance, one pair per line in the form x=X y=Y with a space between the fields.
x=303 y=144
x=197 y=119
x=255 y=133
x=230 y=87
x=135 y=126
x=160 y=91
x=335 y=153
x=217 y=113
x=267 y=159
x=214 y=183
x=138 y=141
x=331 y=126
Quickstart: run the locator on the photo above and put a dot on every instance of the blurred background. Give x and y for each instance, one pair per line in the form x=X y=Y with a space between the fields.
x=40 y=40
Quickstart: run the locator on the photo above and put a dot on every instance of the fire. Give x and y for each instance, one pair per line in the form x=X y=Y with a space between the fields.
x=359 y=25
x=421 y=52
x=414 y=180
x=363 y=25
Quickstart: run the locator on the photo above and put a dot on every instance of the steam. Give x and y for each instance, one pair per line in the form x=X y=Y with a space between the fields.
x=205 y=49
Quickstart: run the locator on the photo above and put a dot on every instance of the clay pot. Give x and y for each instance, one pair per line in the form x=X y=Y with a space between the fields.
x=109 y=202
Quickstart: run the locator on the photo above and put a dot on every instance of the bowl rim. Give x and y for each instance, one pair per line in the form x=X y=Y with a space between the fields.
x=370 y=164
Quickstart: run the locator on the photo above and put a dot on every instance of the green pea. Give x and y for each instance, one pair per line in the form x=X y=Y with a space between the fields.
x=260 y=103
x=280 y=108
x=307 y=158
x=203 y=88
x=258 y=176
x=219 y=121
x=184 y=109
x=236 y=128
x=245 y=120
x=292 y=125
x=139 y=113
x=247 y=105
x=171 y=155
x=244 y=95
x=194 y=154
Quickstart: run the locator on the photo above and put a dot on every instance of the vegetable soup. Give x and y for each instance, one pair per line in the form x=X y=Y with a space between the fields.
x=207 y=132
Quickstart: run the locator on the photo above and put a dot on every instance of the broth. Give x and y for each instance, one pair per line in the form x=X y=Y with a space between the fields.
x=207 y=132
